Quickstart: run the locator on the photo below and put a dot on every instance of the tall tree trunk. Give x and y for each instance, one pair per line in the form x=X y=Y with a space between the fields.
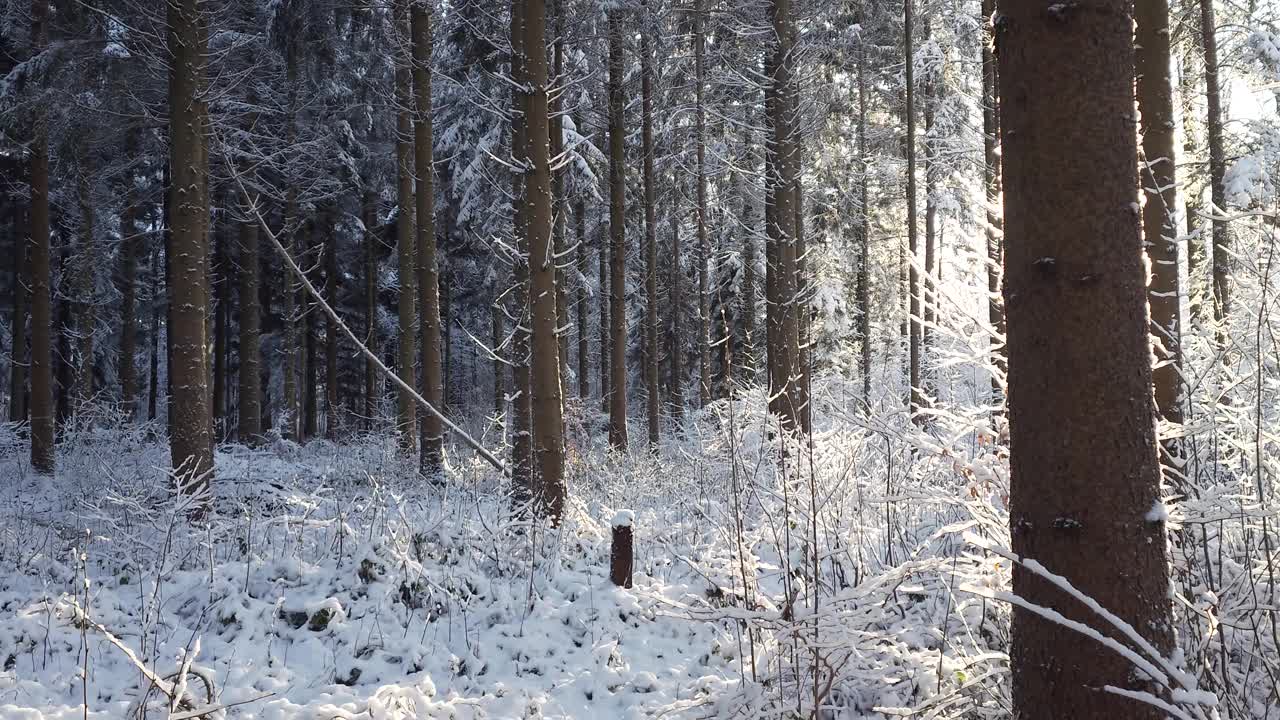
x=126 y=363
x=675 y=342
x=864 y=228
x=428 y=272
x=42 y=409
x=1217 y=170
x=617 y=240
x=704 y=243
x=1190 y=58
x=221 y=325
x=310 y=361
x=522 y=479
x=86 y=308
x=650 y=236
x=292 y=412
x=548 y=422
x=557 y=187
x=913 y=275
x=368 y=216
x=331 y=402
x=580 y=299
x=191 y=443
x=747 y=299
x=603 y=312
x=499 y=367
x=928 y=289
x=405 y=240
x=1081 y=499
x=250 y=406
x=786 y=399
x=1157 y=176
x=153 y=337
x=991 y=182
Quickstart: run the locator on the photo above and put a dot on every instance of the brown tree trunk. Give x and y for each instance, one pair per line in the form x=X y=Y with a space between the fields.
x=747 y=300
x=617 y=241
x=548 y=423
x=557 y=188
x=153 y=337
x=221 y=325
x=191 y=443
x=913 y=288
x=1084 y=473
x=785 y=375
x=991 y=182
x=603 y=312
x=928 y=290
x=250 y=406
x=292 y=412
x=1217 y=170
x=311 y=363
x=650 y=237
x=406 y=423
x=704 y=243
x=1157 y=177
x=428 y=271
x=42 y=409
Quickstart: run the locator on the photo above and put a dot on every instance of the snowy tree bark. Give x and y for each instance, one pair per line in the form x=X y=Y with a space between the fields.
x=617 y=241
x=650 y=234
x=42 y=409
x=428 y=269
x=406 y=423
x=1085 y=483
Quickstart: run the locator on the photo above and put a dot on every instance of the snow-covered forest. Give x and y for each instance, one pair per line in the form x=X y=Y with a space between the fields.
x=573 y=359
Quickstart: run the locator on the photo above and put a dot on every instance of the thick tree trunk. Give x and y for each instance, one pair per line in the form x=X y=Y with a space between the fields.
x=915 y=401
x=786 y=399
x=650 y=239
x=406 y=423
x=991 y=182
x=191 y=443
x=428 y=271
x=602 y=275
x=928 y=289
x=1217 y=170
x=153 y=337
x=548 y=423
x=557 y=187
x=704 y=243
x=221 y=326
x=617 y=240
x=747 y=300
x=1084 y=473
x=311 y=363
x=292 y=414
x=42 y=409
x=1157 y=177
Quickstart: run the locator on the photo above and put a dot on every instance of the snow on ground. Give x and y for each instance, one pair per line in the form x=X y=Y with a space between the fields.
x=331 y=582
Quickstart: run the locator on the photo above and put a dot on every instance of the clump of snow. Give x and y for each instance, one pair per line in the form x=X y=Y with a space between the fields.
x=623 y=518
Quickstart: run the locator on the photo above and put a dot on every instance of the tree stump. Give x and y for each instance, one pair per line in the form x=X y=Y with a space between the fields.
x=622 y=556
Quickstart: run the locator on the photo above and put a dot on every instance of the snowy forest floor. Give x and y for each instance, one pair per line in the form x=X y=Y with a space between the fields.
x=331 y=581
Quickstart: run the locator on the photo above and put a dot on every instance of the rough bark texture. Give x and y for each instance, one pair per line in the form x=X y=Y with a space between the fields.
x=191 y=439
x=19 y=361
x=405 y=243
x=617 y=241
x=991 y=182
x=522 y=479
x=1157 y=177
x=557 y=186
x=331 y=328
x=432 y=387
x=785 y=375
x=291 y=410
x=548 y=422
x=913 y=287
x=650 y=241
x=83 y=289
x=1217 y=169
x=580 y=298
x=250 y=407
x=42 y=409
x=1084 y=473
